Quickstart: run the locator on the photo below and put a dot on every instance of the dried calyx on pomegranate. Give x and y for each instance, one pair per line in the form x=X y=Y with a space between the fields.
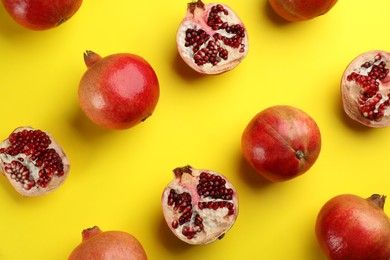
x=199 y=206
x=211 y=38
x=33 y=162
x=365 y=89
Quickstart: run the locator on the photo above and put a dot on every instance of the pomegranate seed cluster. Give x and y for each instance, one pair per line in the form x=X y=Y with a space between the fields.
x=372 y=104
x=213 y=186
x=182 y=203
x=214 y=52
x=32 y=145
x=217 y=205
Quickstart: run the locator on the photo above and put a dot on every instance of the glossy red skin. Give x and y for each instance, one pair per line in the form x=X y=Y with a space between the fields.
x=300 y=10
x=126 y=86
x=98 y=245
x=272 y=138
x=41 y=14
x=349 y=227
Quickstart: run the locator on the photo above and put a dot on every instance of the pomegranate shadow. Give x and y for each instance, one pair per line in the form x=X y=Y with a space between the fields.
x=168 y=239
x=272 y=16
x=183 y=70
x=250 y=176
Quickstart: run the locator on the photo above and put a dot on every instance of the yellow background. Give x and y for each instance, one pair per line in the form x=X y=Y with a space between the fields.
x=117 y=177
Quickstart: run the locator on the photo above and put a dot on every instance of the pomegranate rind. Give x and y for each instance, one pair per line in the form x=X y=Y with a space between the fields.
x=298 y=10
x=197 y=13
x=118 y=245
x=352 y=227
x=350 y=90
x=118 y=91
x=215 y=225
x=41 y=15
x=55 y=182
x=273 y=139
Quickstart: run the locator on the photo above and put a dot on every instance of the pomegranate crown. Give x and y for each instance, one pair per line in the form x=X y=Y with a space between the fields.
x=378 y=200
x=193 y=5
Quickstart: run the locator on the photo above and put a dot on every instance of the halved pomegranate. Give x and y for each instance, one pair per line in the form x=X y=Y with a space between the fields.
x=365 y=89
x=33 y=162
x=211 y=38
x=199 y=206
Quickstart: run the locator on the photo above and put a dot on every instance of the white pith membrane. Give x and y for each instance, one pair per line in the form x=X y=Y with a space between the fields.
x=216 y=222
x=367 y=106
x=196 y=19
x=22 y=170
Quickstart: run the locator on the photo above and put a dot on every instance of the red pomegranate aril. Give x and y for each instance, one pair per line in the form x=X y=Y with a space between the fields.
x=32 y=161
x=196 y=197
x=175 y=224
x=211 y=39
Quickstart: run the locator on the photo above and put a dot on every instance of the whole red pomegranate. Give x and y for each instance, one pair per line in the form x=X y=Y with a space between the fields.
x=365 y=89
x=115 y=245
x=33 y=162
x=199 y=206
x=281 y=142
x=300 y=10
x=211 y=38
x=349 y=227
x=41 y=14
x=118 y=91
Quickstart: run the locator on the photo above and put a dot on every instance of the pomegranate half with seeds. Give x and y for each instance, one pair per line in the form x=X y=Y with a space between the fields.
x=211 y=38
x=199 y=206
x=365 y=89
x=33 y=161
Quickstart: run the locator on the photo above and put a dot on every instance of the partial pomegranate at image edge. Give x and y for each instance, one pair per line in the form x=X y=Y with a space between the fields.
x=351 y=227
x=301 y=10
x=365 y=89
x=41 y=14
x=33 y=161
x=211 y=38
x=281 y=143
x=118 y=91
x=199 y=206
x=99 y=245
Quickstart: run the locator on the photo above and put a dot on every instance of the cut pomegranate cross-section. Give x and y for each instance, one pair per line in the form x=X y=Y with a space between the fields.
x=33 y=162
x=199 y=206
x=211 y=38
x=365 y=89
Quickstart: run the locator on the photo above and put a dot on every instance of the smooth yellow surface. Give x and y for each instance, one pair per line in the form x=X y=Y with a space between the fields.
x=117 y=177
